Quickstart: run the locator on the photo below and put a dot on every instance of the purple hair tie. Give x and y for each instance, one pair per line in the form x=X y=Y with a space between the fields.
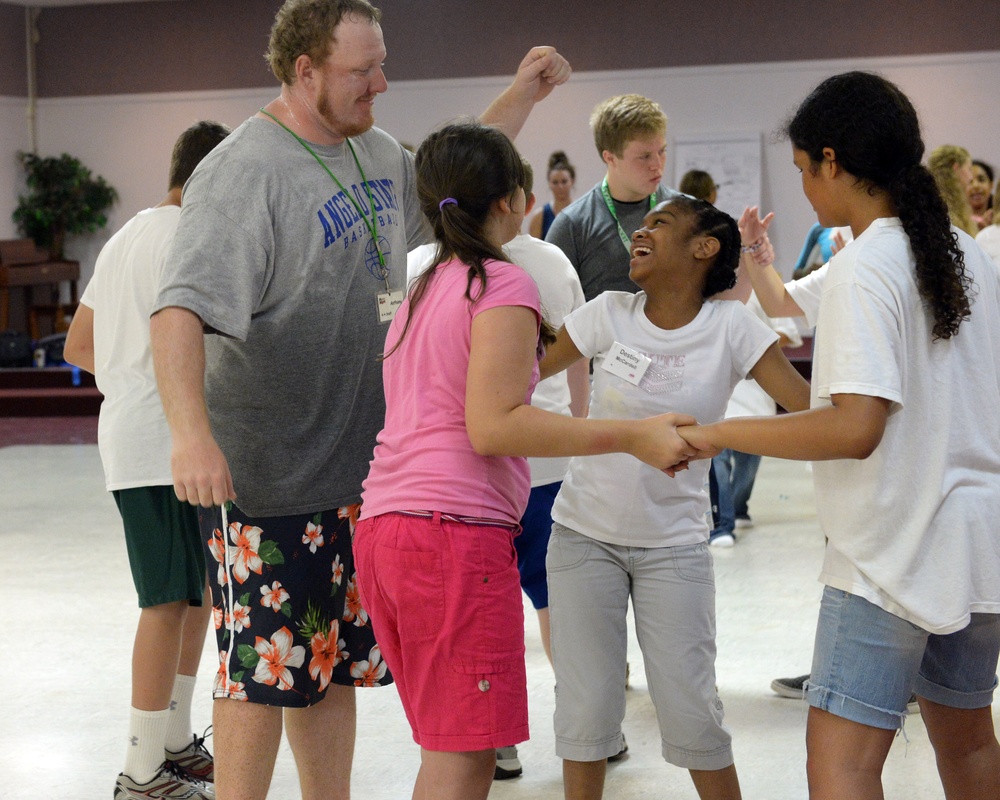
x=447 y=201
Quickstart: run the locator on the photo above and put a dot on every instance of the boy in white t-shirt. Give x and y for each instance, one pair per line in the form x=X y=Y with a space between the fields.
x=622 y=530
x=109 y=337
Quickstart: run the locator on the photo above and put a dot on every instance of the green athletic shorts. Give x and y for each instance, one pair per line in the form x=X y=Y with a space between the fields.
x=164 y=545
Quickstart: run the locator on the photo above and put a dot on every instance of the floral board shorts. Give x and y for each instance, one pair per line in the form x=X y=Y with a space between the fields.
x=286 y=608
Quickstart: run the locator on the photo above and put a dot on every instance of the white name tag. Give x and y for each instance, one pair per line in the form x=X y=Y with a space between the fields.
x=388 y=304
x=626 y=363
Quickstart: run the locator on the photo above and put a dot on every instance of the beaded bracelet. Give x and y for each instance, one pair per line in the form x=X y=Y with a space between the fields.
x=753 y=248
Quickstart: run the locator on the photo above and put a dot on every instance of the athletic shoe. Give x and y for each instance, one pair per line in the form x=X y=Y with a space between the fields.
x=508 y=764
x=621 y=753
x=194 y=761
x=790 y=687
x=744 y=522
x=166 y=784
x=725 y=539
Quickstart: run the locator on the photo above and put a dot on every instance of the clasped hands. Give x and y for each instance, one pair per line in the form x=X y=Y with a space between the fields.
x=686 y=441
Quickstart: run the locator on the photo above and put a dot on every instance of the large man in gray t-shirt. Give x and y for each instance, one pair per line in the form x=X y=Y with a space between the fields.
x=595 y=230
x=292 y=249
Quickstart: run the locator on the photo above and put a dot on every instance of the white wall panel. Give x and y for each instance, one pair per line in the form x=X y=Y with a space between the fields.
x=13 y=137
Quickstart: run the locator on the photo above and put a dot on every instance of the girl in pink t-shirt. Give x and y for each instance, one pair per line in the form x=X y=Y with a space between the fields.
x=448 y=483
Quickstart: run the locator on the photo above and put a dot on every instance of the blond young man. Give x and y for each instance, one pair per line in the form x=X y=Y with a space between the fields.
x=594 y=231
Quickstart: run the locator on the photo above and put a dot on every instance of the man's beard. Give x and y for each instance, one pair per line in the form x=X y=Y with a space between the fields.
x=339 y=126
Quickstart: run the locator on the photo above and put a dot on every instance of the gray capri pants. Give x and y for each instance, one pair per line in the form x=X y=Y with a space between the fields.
x=673 y=597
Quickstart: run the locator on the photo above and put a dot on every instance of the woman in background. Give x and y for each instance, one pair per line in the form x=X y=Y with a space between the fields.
x=989 y=237
x=561 y=176
x=951 y=167
x=980 y=193
x=698 y=183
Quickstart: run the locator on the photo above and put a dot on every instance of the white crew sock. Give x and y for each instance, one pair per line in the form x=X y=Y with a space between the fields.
x=179 y=731
x=147 y=731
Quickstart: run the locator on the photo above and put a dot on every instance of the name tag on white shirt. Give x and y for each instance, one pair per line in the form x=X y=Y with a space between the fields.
x=388 y=304
x=626 y=363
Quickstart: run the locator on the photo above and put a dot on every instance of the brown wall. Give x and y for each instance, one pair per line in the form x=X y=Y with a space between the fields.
x=217 y=44
x=13 y=70
x=125 y=48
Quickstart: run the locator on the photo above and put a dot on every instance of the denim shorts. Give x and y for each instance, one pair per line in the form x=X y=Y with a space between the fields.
x=867 y=662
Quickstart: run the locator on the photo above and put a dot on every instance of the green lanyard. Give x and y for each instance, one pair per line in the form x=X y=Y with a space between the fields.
x=626 y=238
x=371 y=224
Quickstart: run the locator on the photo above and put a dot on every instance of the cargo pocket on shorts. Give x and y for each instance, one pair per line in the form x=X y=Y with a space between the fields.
x=492 y=695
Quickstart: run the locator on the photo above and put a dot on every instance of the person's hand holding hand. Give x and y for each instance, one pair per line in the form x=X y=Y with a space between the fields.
x=699 y=440
x=656 y=442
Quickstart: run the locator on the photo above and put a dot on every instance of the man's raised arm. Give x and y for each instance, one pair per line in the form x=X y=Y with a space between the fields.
x=541 y=70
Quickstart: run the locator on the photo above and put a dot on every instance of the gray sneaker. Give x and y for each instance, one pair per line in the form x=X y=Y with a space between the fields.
x=194 y=762
x=508 y=764
x=790 y=687
x=166 y=784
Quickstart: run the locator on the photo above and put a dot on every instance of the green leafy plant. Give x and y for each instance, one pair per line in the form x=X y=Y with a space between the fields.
x=63 y=198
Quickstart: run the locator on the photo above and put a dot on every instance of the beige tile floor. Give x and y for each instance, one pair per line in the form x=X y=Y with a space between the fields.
x=69 y=613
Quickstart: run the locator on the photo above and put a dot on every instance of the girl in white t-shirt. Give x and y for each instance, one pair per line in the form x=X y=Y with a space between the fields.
x=624 y=530
x=905 y=429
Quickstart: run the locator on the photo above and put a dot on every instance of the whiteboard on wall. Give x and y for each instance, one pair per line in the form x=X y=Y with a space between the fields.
x=732 y=159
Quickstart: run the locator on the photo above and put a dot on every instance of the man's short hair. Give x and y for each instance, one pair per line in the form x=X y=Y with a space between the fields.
x=191 y=147
x=621 y=119
x=306 y=27
x=528 y=184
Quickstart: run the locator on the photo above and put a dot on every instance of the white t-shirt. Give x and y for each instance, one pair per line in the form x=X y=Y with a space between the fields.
x=616 y=498
x=133 y=435
x=989 y=239
x=808 y=291
x=561 y=293
x=912 y=528
x=749 y=399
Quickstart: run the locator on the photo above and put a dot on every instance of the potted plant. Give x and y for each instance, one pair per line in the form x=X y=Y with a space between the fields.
x=63 y=198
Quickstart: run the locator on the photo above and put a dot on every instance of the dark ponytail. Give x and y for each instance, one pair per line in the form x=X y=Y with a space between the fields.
x=462 y=170
x=873 y=130
x=940 y=264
